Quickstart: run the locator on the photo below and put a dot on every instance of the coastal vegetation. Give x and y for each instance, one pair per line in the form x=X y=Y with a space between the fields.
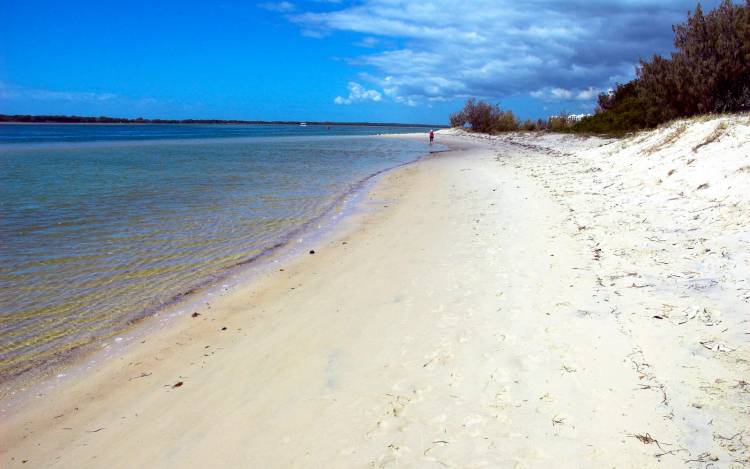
x=481 y=116
x=709 y=72
x=484 y=117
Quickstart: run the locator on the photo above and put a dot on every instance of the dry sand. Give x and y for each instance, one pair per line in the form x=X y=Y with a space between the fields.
x=521 y=301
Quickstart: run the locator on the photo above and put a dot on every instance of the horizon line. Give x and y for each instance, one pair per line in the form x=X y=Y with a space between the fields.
x=76 y=119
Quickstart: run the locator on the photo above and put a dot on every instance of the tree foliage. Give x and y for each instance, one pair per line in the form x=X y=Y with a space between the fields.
x=484 y=117
x=708 y=72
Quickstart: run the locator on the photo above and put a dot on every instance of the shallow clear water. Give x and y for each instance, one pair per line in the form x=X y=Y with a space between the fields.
x=101 y=225
x=44 y=133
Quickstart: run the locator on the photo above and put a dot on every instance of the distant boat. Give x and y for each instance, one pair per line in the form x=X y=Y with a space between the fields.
x=303 y=124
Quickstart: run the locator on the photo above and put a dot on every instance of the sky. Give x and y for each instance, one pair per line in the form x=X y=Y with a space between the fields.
x=368 y=60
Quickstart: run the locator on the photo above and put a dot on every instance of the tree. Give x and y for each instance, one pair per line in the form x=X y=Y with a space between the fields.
x=484 y=117
x=708 y=72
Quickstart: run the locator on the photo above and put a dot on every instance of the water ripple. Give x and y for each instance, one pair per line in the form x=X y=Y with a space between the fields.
x=93 y=237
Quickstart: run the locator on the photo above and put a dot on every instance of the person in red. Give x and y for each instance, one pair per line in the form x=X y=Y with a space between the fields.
x=432 y=135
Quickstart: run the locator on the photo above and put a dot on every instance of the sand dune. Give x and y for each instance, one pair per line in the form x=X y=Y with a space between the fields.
x=520 y=301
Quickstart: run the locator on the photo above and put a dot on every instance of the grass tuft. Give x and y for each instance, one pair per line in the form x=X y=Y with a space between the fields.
x=713 y=136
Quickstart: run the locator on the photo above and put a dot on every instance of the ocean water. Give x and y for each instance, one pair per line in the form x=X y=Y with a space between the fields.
x=101 y=225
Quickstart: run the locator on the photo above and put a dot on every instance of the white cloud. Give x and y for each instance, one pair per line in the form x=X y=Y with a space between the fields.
x=358 y=93
x=559 y=93
x=368 y=41
x=9 y=91
x=315 y=34
x=588 y=94
x=281 y=7
x=562 y=94
x=442 y=49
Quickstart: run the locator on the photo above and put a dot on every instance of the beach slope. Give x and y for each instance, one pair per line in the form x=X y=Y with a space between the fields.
x=519 y=301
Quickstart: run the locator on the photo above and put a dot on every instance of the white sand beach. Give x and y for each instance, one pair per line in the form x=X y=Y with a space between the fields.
x=524 y=300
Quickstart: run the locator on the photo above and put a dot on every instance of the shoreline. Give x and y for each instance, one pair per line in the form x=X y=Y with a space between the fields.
x=20 y=386
x=522 y=300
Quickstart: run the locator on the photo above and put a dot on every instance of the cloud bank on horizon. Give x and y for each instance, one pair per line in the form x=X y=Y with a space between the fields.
x=9 y=91
x=547 y=50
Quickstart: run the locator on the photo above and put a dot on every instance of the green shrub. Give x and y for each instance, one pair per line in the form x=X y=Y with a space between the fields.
x=458 y=119
x=620 y=111
x=484 y=117
x=528 y=125
x=560 y=123
x=505 y=121
x=709 y=72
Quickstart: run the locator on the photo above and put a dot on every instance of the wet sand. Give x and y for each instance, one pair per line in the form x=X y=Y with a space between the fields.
x=464 y=319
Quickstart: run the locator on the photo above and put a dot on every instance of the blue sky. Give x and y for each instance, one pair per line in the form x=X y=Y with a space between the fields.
x=374 y=60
